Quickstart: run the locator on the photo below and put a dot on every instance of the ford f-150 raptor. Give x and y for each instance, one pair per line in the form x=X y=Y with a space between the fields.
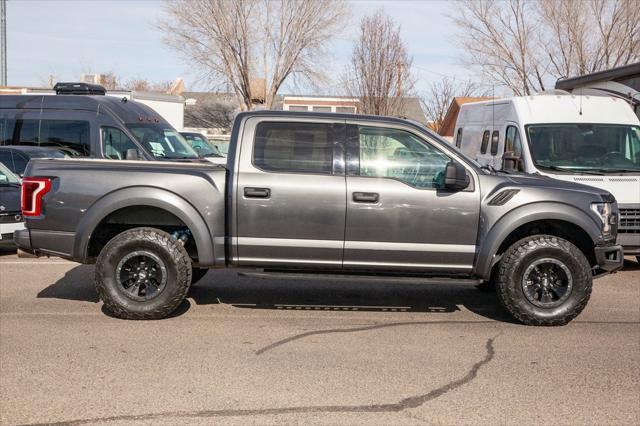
x=312 y=193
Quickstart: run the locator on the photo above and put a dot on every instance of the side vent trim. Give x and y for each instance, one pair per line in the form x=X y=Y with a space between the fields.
x=501 y=198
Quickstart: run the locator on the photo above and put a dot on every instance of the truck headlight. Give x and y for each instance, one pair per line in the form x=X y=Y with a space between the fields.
x=604 y=211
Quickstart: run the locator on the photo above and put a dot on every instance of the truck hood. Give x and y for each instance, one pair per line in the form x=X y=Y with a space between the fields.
x=539 y=181
x=9 y=199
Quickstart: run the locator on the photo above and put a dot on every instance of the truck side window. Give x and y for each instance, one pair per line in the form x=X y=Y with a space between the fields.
x=70 y=136
x=512 y=140
x=115 y=143
x=485 y=142
x=294 y=147
x=400 y=155
x=459 y=137
x=495 y=138
x=20 y=132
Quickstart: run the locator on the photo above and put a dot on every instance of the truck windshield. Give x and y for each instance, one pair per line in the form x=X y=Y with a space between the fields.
x=6 y=177
x=201 y=146
x=574 y=147
x=162 y=141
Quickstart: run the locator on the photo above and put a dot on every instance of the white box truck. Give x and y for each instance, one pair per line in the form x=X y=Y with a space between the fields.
x=594 y=140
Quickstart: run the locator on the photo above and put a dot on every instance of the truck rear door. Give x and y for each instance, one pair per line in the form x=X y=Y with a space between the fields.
x=290 y=193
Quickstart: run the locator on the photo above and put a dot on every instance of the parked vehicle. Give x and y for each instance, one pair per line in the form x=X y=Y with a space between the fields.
x=82 y=122
x=314 y=193
x=204 y=149
x=593 y=140
x=10 y=215
x=15 y=158
x=221 y=143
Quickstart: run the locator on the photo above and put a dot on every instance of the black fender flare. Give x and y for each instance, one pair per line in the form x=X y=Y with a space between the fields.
x=151 y=197
x=490 y=243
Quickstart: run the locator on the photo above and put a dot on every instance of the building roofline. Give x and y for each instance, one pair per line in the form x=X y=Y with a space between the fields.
x=610 y=74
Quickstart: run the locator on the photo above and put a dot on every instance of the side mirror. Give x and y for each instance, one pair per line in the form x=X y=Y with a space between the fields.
x=455 y=176
x=133 y=154
x=511 y=161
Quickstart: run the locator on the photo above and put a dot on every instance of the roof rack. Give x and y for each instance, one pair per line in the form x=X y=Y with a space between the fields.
x=79 y=89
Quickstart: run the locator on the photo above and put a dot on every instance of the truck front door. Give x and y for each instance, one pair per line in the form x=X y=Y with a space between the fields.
x=399 y=216
x=290 y=193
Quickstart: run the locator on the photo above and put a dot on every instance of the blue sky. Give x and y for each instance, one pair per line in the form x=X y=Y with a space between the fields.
x=67 y=38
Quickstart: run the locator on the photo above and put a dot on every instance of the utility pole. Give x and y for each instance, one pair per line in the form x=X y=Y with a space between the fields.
x=3 y=42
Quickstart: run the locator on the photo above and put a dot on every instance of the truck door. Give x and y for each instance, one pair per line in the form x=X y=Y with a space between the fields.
x=398 y=215
x=290 y=193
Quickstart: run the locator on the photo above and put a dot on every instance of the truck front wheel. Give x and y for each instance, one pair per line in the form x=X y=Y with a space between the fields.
x=143 y=273
x=544 y=280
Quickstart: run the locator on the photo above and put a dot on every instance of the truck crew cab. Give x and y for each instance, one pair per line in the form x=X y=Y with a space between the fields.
x=318 y=193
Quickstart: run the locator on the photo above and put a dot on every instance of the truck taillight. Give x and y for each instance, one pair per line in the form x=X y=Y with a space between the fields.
x=33 y=189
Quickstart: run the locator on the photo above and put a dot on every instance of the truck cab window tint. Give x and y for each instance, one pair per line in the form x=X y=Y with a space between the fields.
x=400 y=155
x=485 y=142
x=115 y=143
x=459 y=137
x=20 y=162
x=20 y=132
x=495 y=138
x=294 y=147
x=69 y=136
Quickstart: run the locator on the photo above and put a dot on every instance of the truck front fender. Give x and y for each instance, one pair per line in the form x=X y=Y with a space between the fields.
x=150 y=197
x=489 y=241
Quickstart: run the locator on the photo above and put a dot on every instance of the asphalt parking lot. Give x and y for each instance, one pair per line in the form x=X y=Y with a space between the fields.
x=256 y=351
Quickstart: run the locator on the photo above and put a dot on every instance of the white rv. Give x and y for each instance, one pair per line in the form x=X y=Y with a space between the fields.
x=594 y=140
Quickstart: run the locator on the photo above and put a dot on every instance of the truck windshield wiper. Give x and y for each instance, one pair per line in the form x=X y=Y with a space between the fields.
x=489 y=168
x=603 y=170
x=573 y=170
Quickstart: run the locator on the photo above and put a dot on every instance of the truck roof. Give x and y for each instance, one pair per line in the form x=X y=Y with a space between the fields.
x=338 y=116
x=550 y=108
x=126 y=110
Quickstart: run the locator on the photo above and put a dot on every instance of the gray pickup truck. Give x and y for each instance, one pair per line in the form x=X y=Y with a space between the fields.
x=306 y=193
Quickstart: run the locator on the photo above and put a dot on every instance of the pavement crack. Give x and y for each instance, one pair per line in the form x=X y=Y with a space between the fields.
x=354 y=330
x=403 y=404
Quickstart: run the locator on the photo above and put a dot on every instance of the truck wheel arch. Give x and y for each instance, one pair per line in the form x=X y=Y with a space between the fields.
x=144 y=197
x=493 y=239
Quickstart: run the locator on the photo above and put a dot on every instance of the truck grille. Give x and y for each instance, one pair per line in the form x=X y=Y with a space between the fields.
x=10 y=217
x=629 y=221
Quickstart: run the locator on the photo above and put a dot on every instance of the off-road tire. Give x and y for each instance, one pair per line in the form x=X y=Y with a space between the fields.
x=510 y=276
x=197 y=274
x=175 y=259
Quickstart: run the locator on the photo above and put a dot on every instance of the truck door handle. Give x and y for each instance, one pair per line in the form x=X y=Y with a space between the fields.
x=257 y=192
x=365 y=197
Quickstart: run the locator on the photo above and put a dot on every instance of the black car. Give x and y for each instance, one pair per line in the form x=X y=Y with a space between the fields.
x=83 y=122
x=15 y=158
x=10 y=215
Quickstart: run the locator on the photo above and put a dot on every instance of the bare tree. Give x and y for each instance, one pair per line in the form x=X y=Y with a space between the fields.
x=526 y=45
x=500 y=38
x=211 y=114
x=144 y=85
x=587 y=36
x=109 y=80
x=440 y=95
x=254 y=45
x=380 y=70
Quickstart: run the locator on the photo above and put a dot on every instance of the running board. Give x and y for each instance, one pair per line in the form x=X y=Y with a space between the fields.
x=365 y=278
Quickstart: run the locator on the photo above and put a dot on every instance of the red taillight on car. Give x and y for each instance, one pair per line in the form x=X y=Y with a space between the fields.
x=33 y=189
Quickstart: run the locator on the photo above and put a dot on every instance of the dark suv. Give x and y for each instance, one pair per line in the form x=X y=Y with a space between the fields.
x=82 y=122
x=15 y=158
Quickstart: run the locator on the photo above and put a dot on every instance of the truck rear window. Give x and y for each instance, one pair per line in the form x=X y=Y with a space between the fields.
x=294 y=147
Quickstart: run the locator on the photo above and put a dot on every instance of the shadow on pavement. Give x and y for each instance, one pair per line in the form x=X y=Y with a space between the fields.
x=77 y=284
x=227 y=287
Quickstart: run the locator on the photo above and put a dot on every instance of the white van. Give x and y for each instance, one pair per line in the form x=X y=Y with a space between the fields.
x=594 y=140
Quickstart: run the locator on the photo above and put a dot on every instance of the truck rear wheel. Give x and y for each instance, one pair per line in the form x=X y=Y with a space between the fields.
x=143 y=273
x=544 y=280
